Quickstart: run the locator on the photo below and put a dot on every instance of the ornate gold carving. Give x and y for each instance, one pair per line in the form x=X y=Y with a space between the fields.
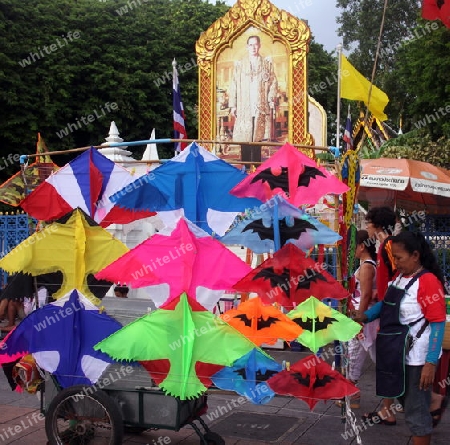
x=281 y=26
x=261 y=13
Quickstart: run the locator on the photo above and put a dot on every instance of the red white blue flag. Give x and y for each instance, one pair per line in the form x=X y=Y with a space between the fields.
x=348 y=133
x=179 y=129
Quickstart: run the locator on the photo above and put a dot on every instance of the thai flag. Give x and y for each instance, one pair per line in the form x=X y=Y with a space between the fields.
x=348 y=133
x=179 y=129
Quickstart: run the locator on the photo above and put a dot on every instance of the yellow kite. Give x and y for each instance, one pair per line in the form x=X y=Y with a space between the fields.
x=77 y=248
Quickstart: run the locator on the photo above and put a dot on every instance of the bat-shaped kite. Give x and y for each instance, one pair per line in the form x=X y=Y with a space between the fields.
x=257 y=232
x=321 y=324
x=311 y=379
x=289 y=278
x=287 y=231
x=292 y=174
x=261 y=324
x=279 y=177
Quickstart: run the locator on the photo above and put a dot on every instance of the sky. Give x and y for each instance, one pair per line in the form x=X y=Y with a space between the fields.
x=320 y=14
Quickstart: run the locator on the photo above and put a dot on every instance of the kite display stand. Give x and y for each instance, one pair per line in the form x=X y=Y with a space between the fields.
x=83 y=414
x=124 y=400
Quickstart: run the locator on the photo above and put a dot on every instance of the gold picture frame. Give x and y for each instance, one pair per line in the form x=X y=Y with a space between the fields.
x=284 y=42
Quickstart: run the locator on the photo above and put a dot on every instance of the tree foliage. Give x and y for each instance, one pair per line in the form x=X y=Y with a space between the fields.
x=123 y=55
x=418 y=145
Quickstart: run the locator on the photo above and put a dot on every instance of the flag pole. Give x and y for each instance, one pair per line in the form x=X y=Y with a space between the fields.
x=338 y=108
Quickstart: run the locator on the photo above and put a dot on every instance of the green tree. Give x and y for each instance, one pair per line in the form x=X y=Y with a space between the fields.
x=112 y=52
x=322 y=82
x=421 y=77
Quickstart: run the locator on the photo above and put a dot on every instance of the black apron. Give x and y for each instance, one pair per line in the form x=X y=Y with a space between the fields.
x=391 y=343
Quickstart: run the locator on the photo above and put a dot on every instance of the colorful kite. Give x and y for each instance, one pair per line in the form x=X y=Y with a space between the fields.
x=248 y=376
x=289 y=278
x=86 y=182
x=16 y=188
x=197 y=185
x=261 y=230
x=437 y=10
x=311 y=380
x=185 y=261
x=261 y=324
x=321 y=324
x=61 y=336
x=184 y=333
x=77 y=247
x=291 y=174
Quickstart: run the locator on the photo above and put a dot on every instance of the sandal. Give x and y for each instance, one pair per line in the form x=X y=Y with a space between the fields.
x=376 y=418
x=437 y=413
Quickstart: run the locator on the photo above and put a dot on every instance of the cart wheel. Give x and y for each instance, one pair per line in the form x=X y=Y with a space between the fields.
x=213 y=438
x=76 y=417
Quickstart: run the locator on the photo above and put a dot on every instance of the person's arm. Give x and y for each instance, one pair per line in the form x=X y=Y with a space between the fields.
x=366 y=278
x=369 y=315
x=374 y=312
x=430 y=296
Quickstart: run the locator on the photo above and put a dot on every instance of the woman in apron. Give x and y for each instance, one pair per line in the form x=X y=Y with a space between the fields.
x=412 y=322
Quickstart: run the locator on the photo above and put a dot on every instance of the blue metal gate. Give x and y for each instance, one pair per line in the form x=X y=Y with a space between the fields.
x=14 y=228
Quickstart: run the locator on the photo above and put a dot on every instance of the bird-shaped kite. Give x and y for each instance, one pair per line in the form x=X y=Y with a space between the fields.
x=263 y=228
x=187 y=260
x=197 y=184
x=321 y=324
x=311 y=380
x=289 y=278
x=248 y=376
x=61 y=336
x=261 y=324
x=85 y=182
x=16 y=188
x=77 y=247
x=184 y=333
x=293 y=175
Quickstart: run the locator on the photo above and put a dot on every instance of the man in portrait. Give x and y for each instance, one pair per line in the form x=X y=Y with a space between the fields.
x=252 y=95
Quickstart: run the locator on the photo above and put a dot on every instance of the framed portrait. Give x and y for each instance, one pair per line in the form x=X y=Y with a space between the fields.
x=251 y=95
x=252 y=82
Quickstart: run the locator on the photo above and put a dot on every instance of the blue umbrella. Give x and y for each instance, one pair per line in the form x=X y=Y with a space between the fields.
x=197 y=183
x=276 y=223
x=248 y=376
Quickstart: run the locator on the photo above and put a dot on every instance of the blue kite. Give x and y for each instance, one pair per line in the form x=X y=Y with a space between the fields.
x=197 y=184
x=61 y=336
x=248 y=376
x=276 y=223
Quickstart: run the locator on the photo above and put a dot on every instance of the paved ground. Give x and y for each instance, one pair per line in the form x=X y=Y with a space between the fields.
x=283 y=421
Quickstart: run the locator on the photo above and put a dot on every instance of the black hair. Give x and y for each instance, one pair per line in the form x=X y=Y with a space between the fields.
x=362 y=237
x=255 y=37
x=415 y=241
x=122 y=289
x=383 y=217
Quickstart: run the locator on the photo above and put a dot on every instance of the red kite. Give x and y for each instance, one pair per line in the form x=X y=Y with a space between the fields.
x=311 y=380
x=290 y=277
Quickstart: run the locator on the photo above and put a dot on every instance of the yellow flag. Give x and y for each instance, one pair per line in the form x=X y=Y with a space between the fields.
x=354 y=86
